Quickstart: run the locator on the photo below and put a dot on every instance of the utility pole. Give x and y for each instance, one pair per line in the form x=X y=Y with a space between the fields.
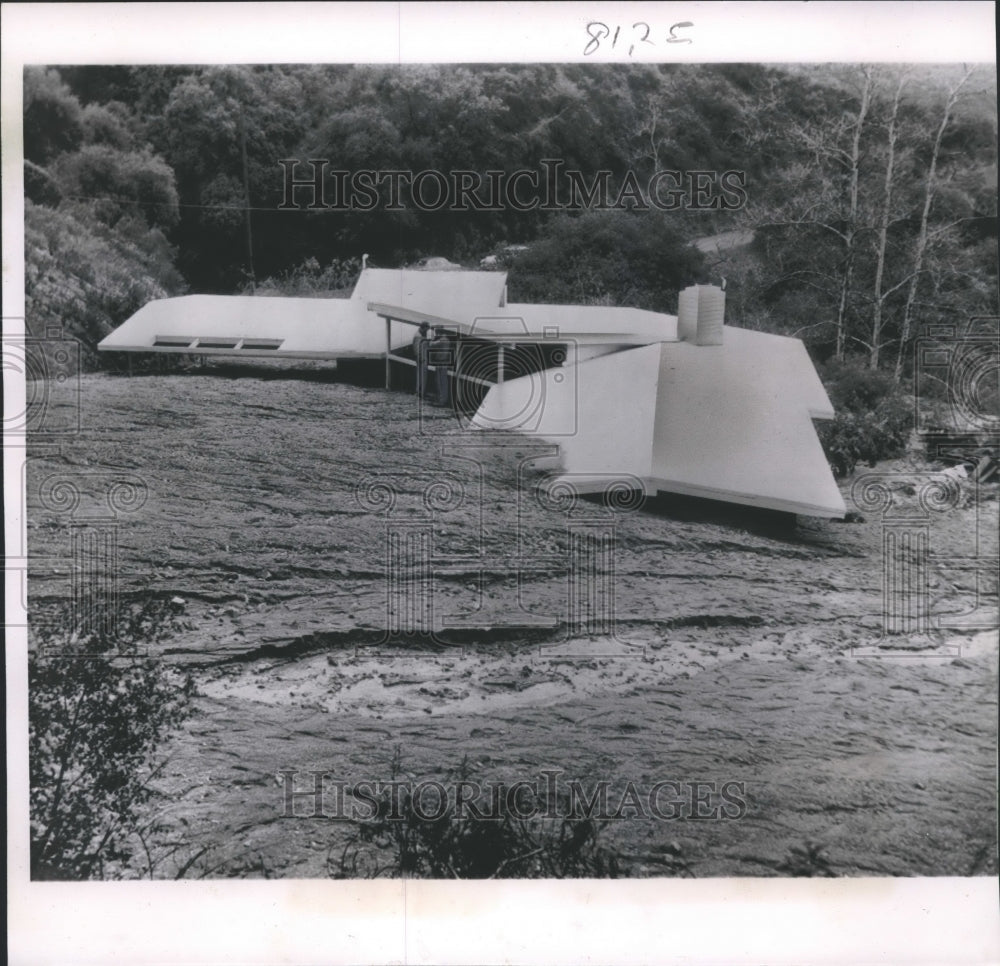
x=246 y=198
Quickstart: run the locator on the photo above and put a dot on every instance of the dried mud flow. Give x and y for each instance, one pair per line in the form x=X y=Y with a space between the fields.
x=280 y=512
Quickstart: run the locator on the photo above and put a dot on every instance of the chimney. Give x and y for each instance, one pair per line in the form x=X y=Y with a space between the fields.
x=711 y=315
x=701 y=313
x=687 y=314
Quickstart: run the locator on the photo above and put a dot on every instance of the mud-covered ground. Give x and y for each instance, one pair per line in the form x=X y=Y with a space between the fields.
x=299 y=524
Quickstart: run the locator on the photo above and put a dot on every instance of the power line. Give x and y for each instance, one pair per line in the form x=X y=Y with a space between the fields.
x=167 y=204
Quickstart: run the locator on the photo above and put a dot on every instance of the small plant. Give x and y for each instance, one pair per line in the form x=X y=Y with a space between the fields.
x=97 y=712
x=807 y=861
x=456 y=845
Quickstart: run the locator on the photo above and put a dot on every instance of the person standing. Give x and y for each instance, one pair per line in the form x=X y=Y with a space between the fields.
x=441 y=350
x=420 y=350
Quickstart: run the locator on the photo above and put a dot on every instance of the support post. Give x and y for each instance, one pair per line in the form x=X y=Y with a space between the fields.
x=500 y=365
x=388 y=349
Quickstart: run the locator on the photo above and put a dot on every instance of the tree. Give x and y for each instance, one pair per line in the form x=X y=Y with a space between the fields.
x=117 y=183
x=923 y=235
x=880 y=294
x=98 y=209
x=868 y=221
x=208 y=117
x=816 y=204
x=613 y=257
x=110 y=124
x=53 y=119
x=852 y=162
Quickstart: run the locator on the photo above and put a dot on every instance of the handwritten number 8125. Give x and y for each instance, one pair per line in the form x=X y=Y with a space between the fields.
x=641 y=30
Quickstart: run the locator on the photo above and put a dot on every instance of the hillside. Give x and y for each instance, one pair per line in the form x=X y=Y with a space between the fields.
x=872 y=202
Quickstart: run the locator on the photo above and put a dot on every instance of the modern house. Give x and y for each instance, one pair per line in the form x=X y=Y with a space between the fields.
x=678 y=404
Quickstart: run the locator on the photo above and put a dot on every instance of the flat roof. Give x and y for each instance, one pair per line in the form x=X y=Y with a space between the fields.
x=549 y=323
x=325 y=328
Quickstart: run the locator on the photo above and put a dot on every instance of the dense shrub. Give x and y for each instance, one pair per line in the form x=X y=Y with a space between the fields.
x=85 y=278
x=97 y=712
x=406 y=840
x=874 y=417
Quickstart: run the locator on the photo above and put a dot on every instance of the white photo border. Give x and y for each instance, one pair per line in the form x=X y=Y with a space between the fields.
x=663 y=921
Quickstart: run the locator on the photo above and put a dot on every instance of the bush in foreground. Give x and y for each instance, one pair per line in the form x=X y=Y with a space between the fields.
x=97 y=712
x=408 y=841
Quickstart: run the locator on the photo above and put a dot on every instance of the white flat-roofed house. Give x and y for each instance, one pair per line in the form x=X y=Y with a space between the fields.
x=678 y=404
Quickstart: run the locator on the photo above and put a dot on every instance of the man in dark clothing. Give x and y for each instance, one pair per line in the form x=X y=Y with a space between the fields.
x=441 y=358
x=420 y=350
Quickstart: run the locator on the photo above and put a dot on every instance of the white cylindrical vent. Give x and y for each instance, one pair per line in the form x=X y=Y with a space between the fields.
x=687 y=314
x=711 y=315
